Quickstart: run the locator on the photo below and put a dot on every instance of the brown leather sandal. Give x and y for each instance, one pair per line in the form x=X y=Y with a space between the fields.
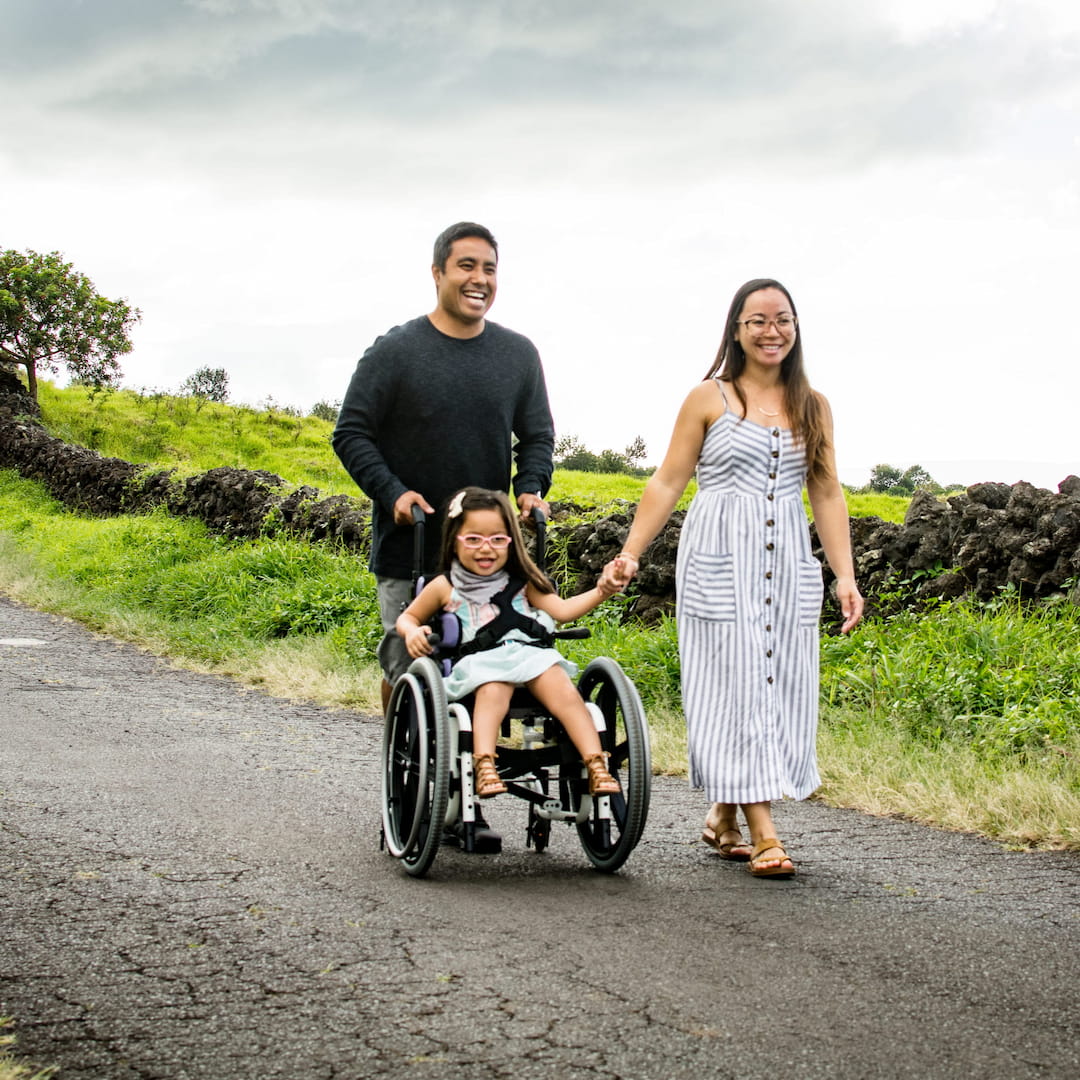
x=770 y=843
x=737 y=850
x=486 y=776
x=601 y=782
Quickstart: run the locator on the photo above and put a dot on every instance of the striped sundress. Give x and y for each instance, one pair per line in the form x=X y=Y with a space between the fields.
x=749 y=597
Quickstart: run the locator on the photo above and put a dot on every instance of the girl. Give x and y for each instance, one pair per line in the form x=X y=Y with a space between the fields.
x=748 y=589
x=482 y=551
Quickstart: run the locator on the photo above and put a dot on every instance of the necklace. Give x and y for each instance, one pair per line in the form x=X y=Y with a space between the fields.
x=766 y=411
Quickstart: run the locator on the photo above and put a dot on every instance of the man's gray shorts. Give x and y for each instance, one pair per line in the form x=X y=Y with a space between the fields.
x=395 y=595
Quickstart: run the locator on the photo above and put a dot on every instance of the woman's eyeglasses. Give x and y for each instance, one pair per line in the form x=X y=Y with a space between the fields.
x=475 y=540
x=757 y=325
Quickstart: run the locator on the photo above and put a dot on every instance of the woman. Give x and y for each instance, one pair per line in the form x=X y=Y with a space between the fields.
x=748 y=589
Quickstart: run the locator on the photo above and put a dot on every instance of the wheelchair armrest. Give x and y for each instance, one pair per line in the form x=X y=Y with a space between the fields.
x=575 y=633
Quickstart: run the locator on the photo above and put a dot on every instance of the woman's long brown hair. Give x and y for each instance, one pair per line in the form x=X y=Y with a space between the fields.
x=802 y=404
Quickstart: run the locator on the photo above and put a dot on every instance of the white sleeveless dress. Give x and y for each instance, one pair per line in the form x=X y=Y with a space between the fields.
x=749 y=597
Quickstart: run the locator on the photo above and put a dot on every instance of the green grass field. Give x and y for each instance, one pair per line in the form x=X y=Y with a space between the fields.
x=190 y=436
x=966 y=715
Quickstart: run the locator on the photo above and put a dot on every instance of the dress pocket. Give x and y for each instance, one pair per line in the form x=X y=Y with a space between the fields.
x=708 y=590
x=811 y=591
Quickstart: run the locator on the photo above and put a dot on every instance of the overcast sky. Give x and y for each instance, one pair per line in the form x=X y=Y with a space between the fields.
x=264 y=179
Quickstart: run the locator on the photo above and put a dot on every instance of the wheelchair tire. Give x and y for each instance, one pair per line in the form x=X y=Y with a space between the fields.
x=608 y=842
x=417 y=748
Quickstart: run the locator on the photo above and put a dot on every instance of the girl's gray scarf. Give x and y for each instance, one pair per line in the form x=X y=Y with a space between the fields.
x=477 y=588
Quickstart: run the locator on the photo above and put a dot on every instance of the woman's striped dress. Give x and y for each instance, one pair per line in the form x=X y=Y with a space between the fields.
x=748 y=603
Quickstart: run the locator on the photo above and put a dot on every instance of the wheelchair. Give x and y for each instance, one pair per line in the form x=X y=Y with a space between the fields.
x=427 y=769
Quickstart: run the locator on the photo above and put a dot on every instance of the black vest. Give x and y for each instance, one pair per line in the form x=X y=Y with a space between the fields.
x=508 y=618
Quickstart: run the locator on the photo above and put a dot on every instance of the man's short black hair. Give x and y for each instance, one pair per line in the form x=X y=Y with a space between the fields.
x=460 y=231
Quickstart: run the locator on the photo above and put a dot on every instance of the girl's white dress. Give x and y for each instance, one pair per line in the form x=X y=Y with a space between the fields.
x=512 y=661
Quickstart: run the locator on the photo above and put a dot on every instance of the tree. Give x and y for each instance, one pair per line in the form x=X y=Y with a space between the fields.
x=209 y=384
x=884 y=477
x=325 y=410
x=636 y=452
x=888 y=478
x=51 y=314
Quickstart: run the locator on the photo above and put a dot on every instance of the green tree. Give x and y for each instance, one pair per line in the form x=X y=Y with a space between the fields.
x=636 y=452
x=325 y=410
x=884 y=477
x=207 y=384
x=570 y=453
x=917 y=477
x=888 y=478
x=51 y=314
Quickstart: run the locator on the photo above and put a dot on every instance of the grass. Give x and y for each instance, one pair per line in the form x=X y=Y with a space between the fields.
x=963 y=716
x=192 y=436
x=10 y=1068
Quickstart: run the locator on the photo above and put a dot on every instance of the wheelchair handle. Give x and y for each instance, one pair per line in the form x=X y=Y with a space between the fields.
x=540 y=521
x=418 y=517
x=575 y=633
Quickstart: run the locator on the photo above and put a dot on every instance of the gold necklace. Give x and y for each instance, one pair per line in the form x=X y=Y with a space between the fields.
x=766 y=411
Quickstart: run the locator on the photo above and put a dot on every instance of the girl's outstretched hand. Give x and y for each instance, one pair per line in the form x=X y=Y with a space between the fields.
x=618 y=574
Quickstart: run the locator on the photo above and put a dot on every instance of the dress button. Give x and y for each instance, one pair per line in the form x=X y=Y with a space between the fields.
x=768 y=574
x=772 y=476
x=771 y=496
x=776 y=433
x=768 y=599
x=776 y=453
x=769 y=547
x=769 y=679
x=770 y=523
x=768 y=628
x=768 y=652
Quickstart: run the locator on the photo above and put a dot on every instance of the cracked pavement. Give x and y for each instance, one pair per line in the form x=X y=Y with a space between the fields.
x=191 y=887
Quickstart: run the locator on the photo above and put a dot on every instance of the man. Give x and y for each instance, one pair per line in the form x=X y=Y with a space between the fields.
x=435 y=405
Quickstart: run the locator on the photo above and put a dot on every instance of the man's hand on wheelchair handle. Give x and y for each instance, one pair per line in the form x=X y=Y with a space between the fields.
x=527 y=500
x=403 y=507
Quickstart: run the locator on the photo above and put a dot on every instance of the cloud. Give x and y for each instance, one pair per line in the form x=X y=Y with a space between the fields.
x=371 y=92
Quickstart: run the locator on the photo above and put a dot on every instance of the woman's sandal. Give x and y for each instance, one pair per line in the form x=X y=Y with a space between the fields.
x=601 y=782
x=733 y=850
x=758 y=857
x=486 y=777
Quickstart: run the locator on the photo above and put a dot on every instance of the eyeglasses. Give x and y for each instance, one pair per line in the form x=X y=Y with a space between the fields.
x=475 y=540
x=757 y=325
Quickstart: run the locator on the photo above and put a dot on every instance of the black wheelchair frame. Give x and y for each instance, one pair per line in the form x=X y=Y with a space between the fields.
x=427 y=774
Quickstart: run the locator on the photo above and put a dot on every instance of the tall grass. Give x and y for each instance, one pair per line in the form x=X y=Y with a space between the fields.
x=189 y=435
x=193 y=435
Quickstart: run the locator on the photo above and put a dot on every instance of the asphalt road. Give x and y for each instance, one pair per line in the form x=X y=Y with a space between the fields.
x=191 y=887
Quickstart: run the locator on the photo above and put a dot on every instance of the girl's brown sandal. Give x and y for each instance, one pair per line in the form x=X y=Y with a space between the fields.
x=601 y=782
x=486 y=776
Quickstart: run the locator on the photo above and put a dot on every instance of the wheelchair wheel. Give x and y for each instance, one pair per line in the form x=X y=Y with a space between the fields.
x=609 y=840
x=416 y=767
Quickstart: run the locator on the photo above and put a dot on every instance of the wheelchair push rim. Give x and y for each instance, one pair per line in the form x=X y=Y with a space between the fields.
x=609 y=838
x=416 y=767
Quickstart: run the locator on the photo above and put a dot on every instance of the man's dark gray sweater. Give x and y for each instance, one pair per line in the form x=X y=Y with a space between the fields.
x=430 y=413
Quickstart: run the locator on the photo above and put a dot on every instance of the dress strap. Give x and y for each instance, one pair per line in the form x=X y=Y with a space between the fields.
x=720 y=387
